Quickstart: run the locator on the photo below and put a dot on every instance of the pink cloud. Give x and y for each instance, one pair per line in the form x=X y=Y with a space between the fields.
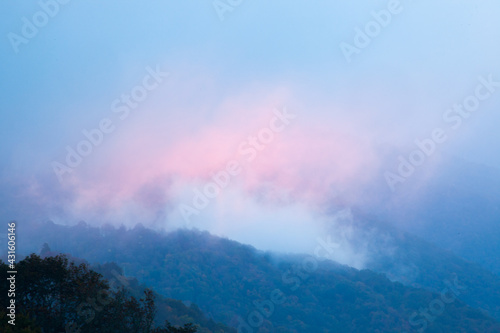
x=307 y=161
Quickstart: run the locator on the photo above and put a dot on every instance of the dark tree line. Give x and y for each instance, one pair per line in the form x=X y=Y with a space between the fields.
x=56 y=295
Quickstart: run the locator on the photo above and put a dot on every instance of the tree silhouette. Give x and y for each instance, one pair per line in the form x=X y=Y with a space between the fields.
x=56 y=295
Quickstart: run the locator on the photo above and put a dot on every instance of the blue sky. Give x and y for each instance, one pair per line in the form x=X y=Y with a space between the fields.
x=225 y=78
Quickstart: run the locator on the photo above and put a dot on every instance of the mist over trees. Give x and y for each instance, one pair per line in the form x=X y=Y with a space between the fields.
x=203 y=279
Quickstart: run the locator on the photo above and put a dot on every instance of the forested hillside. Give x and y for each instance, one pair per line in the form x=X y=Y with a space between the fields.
x=247 y=289
x=55 y=294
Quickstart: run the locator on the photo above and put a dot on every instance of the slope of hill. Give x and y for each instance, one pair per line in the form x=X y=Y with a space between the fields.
x=57 y=294
x=414 y=262
x=260 y=292
x=168 y=309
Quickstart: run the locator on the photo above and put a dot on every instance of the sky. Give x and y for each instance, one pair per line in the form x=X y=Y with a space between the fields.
x=124 y=111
